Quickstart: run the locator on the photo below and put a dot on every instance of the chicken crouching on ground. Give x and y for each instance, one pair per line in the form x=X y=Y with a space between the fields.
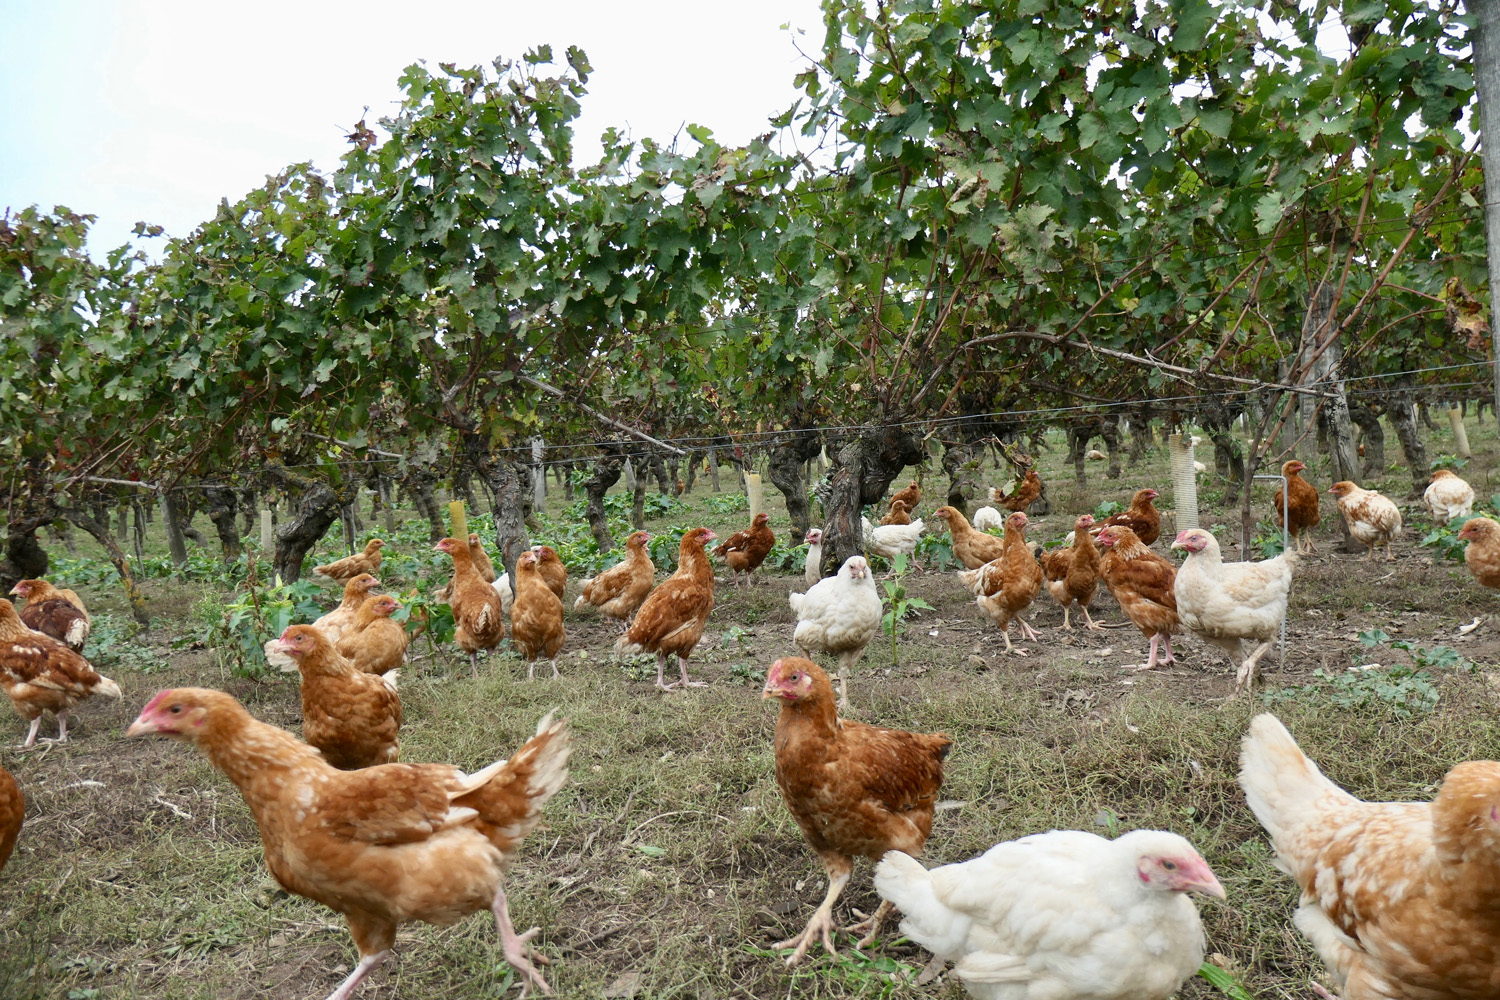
x=49 y=611
x=1449 y=497
x=620 y=590
x=382 y=846
x=1064 y=914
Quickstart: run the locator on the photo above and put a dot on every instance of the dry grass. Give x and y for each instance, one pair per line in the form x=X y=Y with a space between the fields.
x=669 y=855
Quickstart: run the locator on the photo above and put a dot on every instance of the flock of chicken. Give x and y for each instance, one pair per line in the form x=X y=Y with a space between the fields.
x=1388 y=895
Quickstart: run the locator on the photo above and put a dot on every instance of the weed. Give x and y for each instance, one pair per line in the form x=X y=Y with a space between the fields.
x=902 y=606
x=112 y=643
x=726 y=503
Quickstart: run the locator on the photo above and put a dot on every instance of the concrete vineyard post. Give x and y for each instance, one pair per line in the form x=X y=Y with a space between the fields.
x=267 y=541
x=755 y=490
x=1460 y=436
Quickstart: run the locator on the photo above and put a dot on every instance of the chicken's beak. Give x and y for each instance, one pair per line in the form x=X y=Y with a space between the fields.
x=141 y=727
x=1200 y=878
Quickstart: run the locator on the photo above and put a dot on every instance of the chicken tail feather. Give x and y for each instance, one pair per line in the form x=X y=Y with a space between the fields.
x=1283 y=787
x=903 y=880
x=510 y=794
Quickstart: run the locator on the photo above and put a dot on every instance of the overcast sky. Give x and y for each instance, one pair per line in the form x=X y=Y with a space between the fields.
x=154 y=110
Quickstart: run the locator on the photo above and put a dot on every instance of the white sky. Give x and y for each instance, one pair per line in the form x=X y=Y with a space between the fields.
x=154 y=110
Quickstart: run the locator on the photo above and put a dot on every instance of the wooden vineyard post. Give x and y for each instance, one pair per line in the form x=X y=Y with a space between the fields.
x=459 y=521
x=175 y=541
x=267 y=539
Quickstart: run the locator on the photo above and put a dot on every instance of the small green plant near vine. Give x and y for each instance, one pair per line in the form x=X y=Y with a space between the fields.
x=901 y=606
x=1107 y=508
x=1267 y=540
x=726 y=503
x=1224 y=981
x=1453 y=463
x=112 y=643
x=1407 y=690
x=937 y=551
x=1444 y=538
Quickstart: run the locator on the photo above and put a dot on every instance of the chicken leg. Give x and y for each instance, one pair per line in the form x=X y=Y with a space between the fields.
x=871 y=925
x=661 y=680
x=821 y=925
x=1250 y=668
x=367 y=964
x=517 y=947
x=36 y=727
x=1151 y=658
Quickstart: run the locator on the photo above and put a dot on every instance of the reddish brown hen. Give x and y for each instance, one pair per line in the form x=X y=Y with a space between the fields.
x=1007 y=586
x=345 y=569
x=385 y=845
x=673 y=617
x=911 y=496
x=375 y=643
x=50 y=612
x=481 y=558
x=12 y=814
x=342 y=617
x=971 y=547
x=1073 y=572
x=536 y=616
x=1024 y=495
x=855 y=790
x=478 y=618
x=1301 y=505
x=1141 y=517
x=1142 y=582
x=352 y=716
x=898 y=514
x=619 y=590
x=549 y=566
x=744 y=551
x=42 y=674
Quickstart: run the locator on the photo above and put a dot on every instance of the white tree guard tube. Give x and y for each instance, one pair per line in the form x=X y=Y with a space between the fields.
x=1460 y=436
x=756 y=491
x=1184 y=482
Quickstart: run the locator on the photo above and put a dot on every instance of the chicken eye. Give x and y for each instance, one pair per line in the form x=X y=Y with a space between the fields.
x=1170 y=866
x=176 y=709
x=796 y=677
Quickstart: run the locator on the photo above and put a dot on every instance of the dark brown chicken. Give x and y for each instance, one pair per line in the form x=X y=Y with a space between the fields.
x=911 y=496
x=50 y=612
x=1025 y=494
x=1141 y=517
x=1073 y=573
x=855 y=790
x=744 y=551
x=1301 y=506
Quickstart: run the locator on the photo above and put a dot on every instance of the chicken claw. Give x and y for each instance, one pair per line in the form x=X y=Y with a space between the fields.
x=870 y=926
x=820 y=926
x=517 y=948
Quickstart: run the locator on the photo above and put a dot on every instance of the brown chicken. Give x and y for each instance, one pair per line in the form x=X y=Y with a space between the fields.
x=1141 y=517
x=478 y=618
x=341 y=618
x=898 y=514
x=481 y=558
x=46 y=591
x=345 y=569
x=619 y=590
x=744 y=551
x=971 y=547
x=672 y=618
x=384 y=845
x=855 y=790
x=1301 y=506
x=1482 y=555
x=12 y=814
x=536 y=616
x=375 y=643
x=47 y=611
x=911 y=496
x=1142 y=582
x=551 y=569
x=1073 y=573
x=1007 y=586
x=1025 y=494
x=43 y=674
x=352 y=716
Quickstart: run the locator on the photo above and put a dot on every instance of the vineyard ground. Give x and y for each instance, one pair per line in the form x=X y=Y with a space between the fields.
x=669 y=862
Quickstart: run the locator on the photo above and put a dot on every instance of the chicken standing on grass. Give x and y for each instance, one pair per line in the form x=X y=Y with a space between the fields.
x=673 y=616
x=1065 y=914
x=1397 y=897
x=41 y=674
x=1228 y=603
x=1007 y=586
x=1073 y=572
x=478 y=615
x=841 y=616
x=550 y=568
x=384 y=845
x=1374 y=520
x=352 y=716
x=744 y=551
x=619 y=591
x=1142 y=582
x=536 y=617
x=345 y=569
x=855 y=790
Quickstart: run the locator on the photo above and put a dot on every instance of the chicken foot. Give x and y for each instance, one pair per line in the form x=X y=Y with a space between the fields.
x=531 y=669
x=36 y=727
x=1151 y=659
x=661 y=680
x=367 y=964
x=1027 y=632
x=870 y=926
x=821 y=925
x=517 y=947
x=1250 y=668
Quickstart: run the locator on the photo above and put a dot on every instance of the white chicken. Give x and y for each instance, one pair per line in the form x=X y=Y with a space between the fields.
x=502 y=587
x=891 y=540
x=1227 y=603
x=840 y=616
x=1373 y=519
x=1060 y=915
x=988 y=519
x=1448 y=497
x=812 y=570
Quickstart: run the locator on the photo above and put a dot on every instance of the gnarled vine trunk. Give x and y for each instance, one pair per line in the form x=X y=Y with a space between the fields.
x=223 y=506
x=787 y=470
x=607 y=470
x=1404 y=420
x=317 y=506
x=865 y=466
x=1367 y=418
x=99 y=530
x=512 y=498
